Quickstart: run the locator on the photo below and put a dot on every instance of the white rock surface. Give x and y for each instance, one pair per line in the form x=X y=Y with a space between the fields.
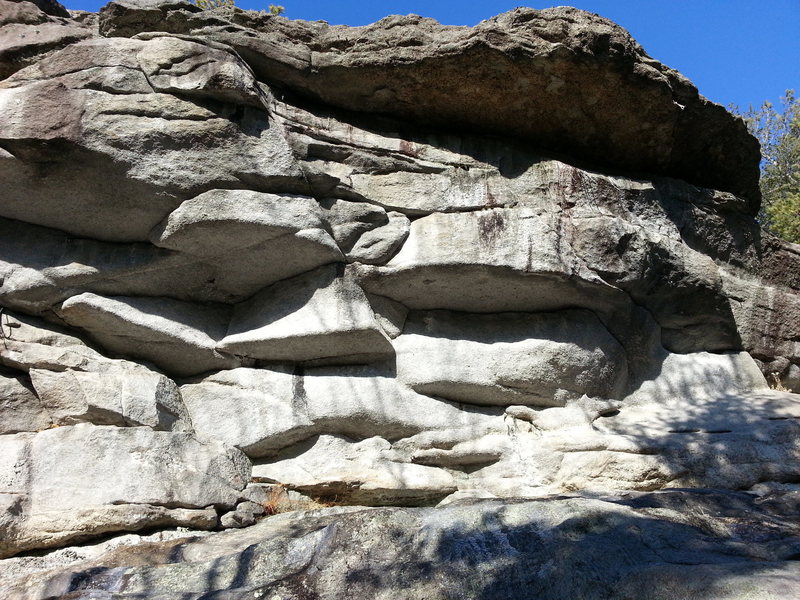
x=243 y=233
x=177 y=336
x=377 y=246
x=492 y=260
x=356 y=473
x=101 y=478
x=512 y=358
x=20 y=408
x=321 y=316
x=262 y=411
x=257 y=410
x=127 y=397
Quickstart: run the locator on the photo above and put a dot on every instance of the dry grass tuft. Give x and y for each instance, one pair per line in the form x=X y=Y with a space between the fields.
x=280 y=500
x=775 y=383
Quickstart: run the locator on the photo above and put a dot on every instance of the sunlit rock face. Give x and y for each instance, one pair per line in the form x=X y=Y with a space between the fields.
x=392 y=265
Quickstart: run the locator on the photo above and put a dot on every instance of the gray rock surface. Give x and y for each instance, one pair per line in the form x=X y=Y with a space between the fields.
x=127 y=397
x=263 y=411
x=75 y=97
x=462 y=261
x=625 y=109
x=76 y=482
x=252 y=265
x=258 y=411
x=675 y=544
x=30 y=31
x=244 y=515
x=540 y=359
x=177 y=336
x=346 y=472
x=320 y=317
x=378 y=245
x=20 y=408
x=222 y=222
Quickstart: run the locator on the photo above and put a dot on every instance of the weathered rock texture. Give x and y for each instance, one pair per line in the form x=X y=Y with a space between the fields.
x=667 y=545
x=245 y=258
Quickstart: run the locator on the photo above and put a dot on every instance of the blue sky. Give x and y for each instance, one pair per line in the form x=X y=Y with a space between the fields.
x=735 y=51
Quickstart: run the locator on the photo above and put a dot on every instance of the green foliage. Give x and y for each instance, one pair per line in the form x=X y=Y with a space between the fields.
x=778 y=131
x=276 y=9
x=784 y=217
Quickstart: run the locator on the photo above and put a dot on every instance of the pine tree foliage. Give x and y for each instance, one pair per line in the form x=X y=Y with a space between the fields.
x=778 y=131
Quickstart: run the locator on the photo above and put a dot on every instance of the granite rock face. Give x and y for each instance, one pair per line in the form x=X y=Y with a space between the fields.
x=385 y=266
x=665 y=545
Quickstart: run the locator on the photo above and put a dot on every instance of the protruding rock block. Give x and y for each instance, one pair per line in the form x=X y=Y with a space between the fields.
x=250 y=239
x=356 y=473
x=377 y=246
x=41 y=267
x=263 y=411
x=320 y=317
x=177 y=336
x=539 y=359
x=220 y=222
x=259 y=411
x=127 y=397
x=71 y=483
x=494 y=260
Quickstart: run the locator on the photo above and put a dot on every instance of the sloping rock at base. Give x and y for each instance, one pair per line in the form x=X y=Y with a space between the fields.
x=676 y=544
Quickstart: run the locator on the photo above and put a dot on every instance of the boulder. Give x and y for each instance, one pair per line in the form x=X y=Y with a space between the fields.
x=349 y=472
x=320 y=317
x=244 y=515
x=75 y=482
x=50 y=7
x=350 y=220
x=30 y=343
x=220 y=222
x=391 y=315
x=177 y=336
x=540 y=359
x=66 y=382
